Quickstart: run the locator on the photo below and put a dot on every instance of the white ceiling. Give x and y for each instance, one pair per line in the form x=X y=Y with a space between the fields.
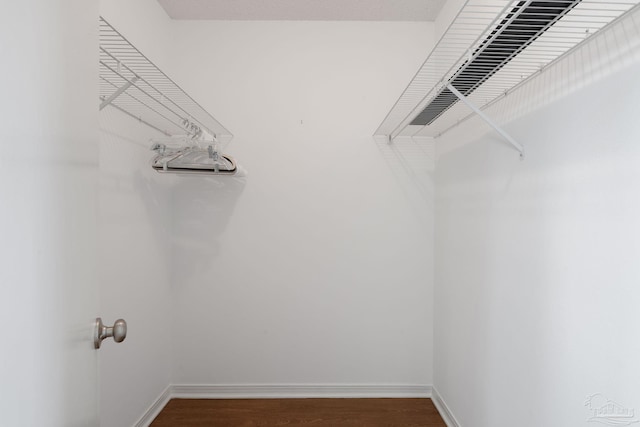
x=304 y=10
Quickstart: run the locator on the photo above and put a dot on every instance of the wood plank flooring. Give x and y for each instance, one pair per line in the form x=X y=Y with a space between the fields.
x=299 y=412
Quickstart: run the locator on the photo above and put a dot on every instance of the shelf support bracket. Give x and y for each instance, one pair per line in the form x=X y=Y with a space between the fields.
x=487 y=119
x=118 y=92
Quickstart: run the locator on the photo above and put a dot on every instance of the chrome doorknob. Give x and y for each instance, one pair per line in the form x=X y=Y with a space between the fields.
x=118 y=332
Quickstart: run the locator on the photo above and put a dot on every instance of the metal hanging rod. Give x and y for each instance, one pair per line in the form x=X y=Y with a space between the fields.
x=489 y=48
x=131 y=83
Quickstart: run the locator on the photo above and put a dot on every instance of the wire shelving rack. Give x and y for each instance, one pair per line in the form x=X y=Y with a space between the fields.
x=477 y=22
x=133 y=84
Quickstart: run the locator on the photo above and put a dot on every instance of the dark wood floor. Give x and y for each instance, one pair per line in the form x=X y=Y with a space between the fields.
x=297 y=412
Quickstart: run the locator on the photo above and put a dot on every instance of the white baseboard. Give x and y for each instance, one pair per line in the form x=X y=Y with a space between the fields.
x=445 y=412
x=287 y=391
x=280 y=391
x=155 y=408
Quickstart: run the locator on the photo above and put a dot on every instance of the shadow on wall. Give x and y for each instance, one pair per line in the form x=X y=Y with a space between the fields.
x=412 y=161
x=126 y=187
x=203 y=206
x=184 y=215
x=157 y=201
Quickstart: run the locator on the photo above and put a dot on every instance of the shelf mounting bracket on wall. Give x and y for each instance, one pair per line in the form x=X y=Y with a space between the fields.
x=118 y=92
x=487 y=119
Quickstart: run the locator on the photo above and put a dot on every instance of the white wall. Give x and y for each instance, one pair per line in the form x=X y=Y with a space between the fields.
x=135 y=270
x=312 y=270
x=135 y=240
x=537 y=273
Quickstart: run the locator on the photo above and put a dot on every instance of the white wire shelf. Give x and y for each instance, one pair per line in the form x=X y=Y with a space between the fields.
x=491 y=47
x=132 y=84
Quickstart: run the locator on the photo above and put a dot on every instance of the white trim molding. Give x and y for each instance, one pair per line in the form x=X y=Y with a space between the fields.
x=443 y=409
x=292 y=391
x=155 y=408
x=281 y=391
